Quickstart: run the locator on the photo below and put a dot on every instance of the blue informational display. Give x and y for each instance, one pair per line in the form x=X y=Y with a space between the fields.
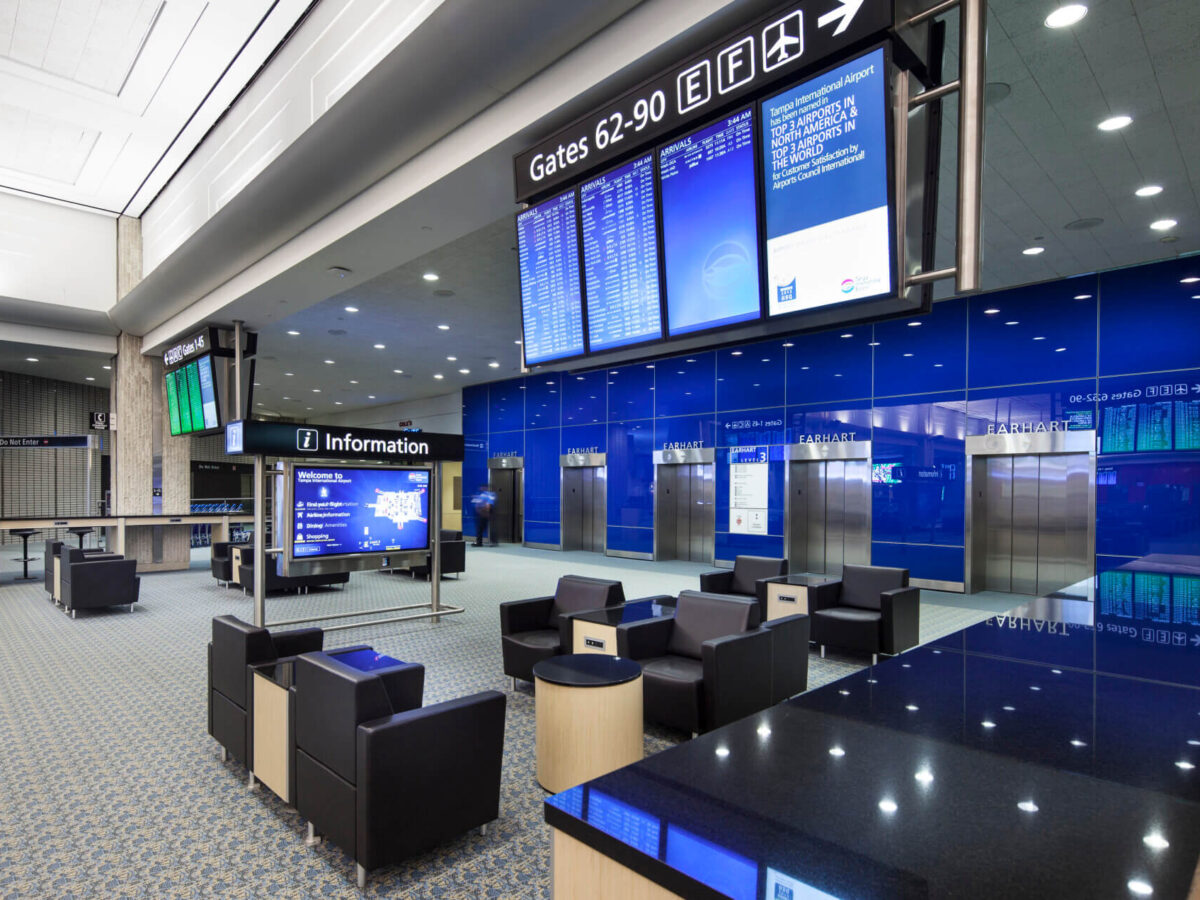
x=638 y=829
x=551 y=301
x=723 y=870
x=829 y=232
x=336 y=511
x=710 y=226
x=620 y=256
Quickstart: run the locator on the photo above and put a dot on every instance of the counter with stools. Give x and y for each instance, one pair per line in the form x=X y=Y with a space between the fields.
x=25 y=559
x=588 y=717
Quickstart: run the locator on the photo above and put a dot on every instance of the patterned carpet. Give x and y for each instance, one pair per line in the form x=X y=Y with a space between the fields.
x=111 y=787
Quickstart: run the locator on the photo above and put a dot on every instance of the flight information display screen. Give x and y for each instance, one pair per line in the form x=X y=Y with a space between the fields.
x=551 y=300
x=343 y=510
x=1120 y=428
x=620 y=256
x=1154 y=426
x=192 y=397
x=710 y=226
x=1187 y=424
x=632 y=826
x=825 y=184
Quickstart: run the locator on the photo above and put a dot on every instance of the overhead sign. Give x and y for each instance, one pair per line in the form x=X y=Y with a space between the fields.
x=47 y=442
x=204 y=341
x=290 y=439
x=794 y=37
x=99 y=421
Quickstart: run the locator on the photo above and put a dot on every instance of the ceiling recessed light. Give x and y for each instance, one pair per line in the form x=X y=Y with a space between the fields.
x=1185 y=765
x=1083 y=297
x=722 y=752
x=908 y=354
x=31 y=359
x=847 y=335
x=439 y=376
x=1163 y=224
x=352 y=381
x=351 y=309
x=1141 y=888
x=1149 y=190
x=316 y=390
x=991 y=311
x=493 y=365
x=888 y=806
x=89 y=378
x=912 y=707
x=914 y=324
x=1040 y=338
x=430 y=276
x=924 y=776
x=329 y=362
x=789 y=344
x=1066 y=15
x=1027 y=806
x=258 y=404
x=1032 y=251
x=1114 y=123
x=1191 y=279
x=836 y=751
x=464 y=371
x=381 y=346
x=309 y=408
x=873 y=344
x=1059 y=349
x=107 y=368
x=337 y=402
x=1076 y=742
x=517 y=342
x=451 y=359
x=447 y=328
x=287 y=398
x=293 y=333
x=370 y=396
x=1155 y=841
x=1012 y=322
x=289 y=374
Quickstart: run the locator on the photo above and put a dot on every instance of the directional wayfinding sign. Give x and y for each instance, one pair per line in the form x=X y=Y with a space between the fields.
x=292 y=439
x=46 y=441
x=793 y=38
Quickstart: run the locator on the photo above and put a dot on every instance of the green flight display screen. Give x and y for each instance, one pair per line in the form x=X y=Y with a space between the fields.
x=1154 y=426
x=192 y=397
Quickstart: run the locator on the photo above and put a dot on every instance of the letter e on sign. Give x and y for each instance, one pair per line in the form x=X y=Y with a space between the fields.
x=695 y=86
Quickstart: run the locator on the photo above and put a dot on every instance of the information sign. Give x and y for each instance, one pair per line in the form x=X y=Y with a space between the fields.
x=748 y=498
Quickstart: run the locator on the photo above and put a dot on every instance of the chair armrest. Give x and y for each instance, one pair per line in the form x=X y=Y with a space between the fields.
x=525 y=615
x=405 y=686
x=301 y=640
x=901 y=609
x=789 y=655
x=737 y=676
x=426 y=776
x=642 y=640
x=823 y=596
x=718 y=582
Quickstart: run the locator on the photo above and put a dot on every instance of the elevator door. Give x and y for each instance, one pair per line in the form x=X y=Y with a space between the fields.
x=684 y=515
x=506 y=516
x=1035 y=521
x=828 y=524
x=583 y=514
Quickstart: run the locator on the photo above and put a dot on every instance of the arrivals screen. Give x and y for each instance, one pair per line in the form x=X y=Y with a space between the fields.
x=192 y=397
x=344 y=510
x=825 y=184
x=620 y=256
x=551 y=301
x=710 y=226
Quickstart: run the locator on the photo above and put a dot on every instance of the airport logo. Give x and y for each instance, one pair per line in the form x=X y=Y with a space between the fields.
x=847 y=285
x=786 y=293
x=306 y=440
x=783 y=41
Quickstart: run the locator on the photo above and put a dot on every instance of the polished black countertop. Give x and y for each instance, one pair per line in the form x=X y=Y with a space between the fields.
x=586 y=670
x=1048 y=752
x=803 y=580
x=636 y=611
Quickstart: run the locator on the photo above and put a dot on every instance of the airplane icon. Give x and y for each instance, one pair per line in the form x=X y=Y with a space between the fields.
x=783 y=41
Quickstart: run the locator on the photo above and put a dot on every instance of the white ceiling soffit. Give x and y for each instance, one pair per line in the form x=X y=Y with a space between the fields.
x=447 y=188
x=22 y=354
x=104 y=99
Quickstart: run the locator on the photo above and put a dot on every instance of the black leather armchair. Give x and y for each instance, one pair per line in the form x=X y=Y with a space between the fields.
x=97 y=580
x=221 y=561
x=536 y=629
x=454 y=556
x=54 y=550
x=707 y=666
x=747 y=578
x=382 y=778
x=872 y=610
x=236 y=646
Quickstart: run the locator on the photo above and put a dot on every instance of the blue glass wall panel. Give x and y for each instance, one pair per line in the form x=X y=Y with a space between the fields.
x=751 y=376
x=926 y=442
x=751 y=427
x=585 y=397
x=543 y=533
x=631 y=392
x=1151 y=412
x=584 y=439
x=685 y=384
x=474 y=474
x=630 y=540
x=543 y=399
x=1072 y=402
x=1148 y=503
x=695 y=430
x=922 y=561
x=543 y=485
x=506 y=405
x=1149 y=317
x=475 y=409
x=728 y=546
x=851 y=422
x=922 y=354
x=1035 y=333
x=631 y=475
x=506 y=443
x=828 y=366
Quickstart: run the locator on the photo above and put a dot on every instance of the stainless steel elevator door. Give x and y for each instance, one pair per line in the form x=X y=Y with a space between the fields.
x=684 y=513
x=829 y=515
x=1034 y=516
x=506 y=517
x=583 y=511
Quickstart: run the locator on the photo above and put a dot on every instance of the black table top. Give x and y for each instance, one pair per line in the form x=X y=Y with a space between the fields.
x=806 y=580
x=626 y=612
x=23 y=532
x=1043 y=753
x=587 y=670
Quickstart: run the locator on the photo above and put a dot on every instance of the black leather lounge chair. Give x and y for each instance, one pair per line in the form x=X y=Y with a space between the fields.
x=746 y=579
x=871 y=610
x=94 y=581
x=235 y=647
x=383 y=778
x=454 y=556
x=221 y=561
x=536 y=629
x=707 y=666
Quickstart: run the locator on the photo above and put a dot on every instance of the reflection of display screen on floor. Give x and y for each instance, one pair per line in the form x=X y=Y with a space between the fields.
x=337 y=511
x=825 y=183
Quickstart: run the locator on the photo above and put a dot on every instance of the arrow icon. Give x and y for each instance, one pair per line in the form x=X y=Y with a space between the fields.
x=1196 y=388
x=1196 y=640
x=845 y=12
